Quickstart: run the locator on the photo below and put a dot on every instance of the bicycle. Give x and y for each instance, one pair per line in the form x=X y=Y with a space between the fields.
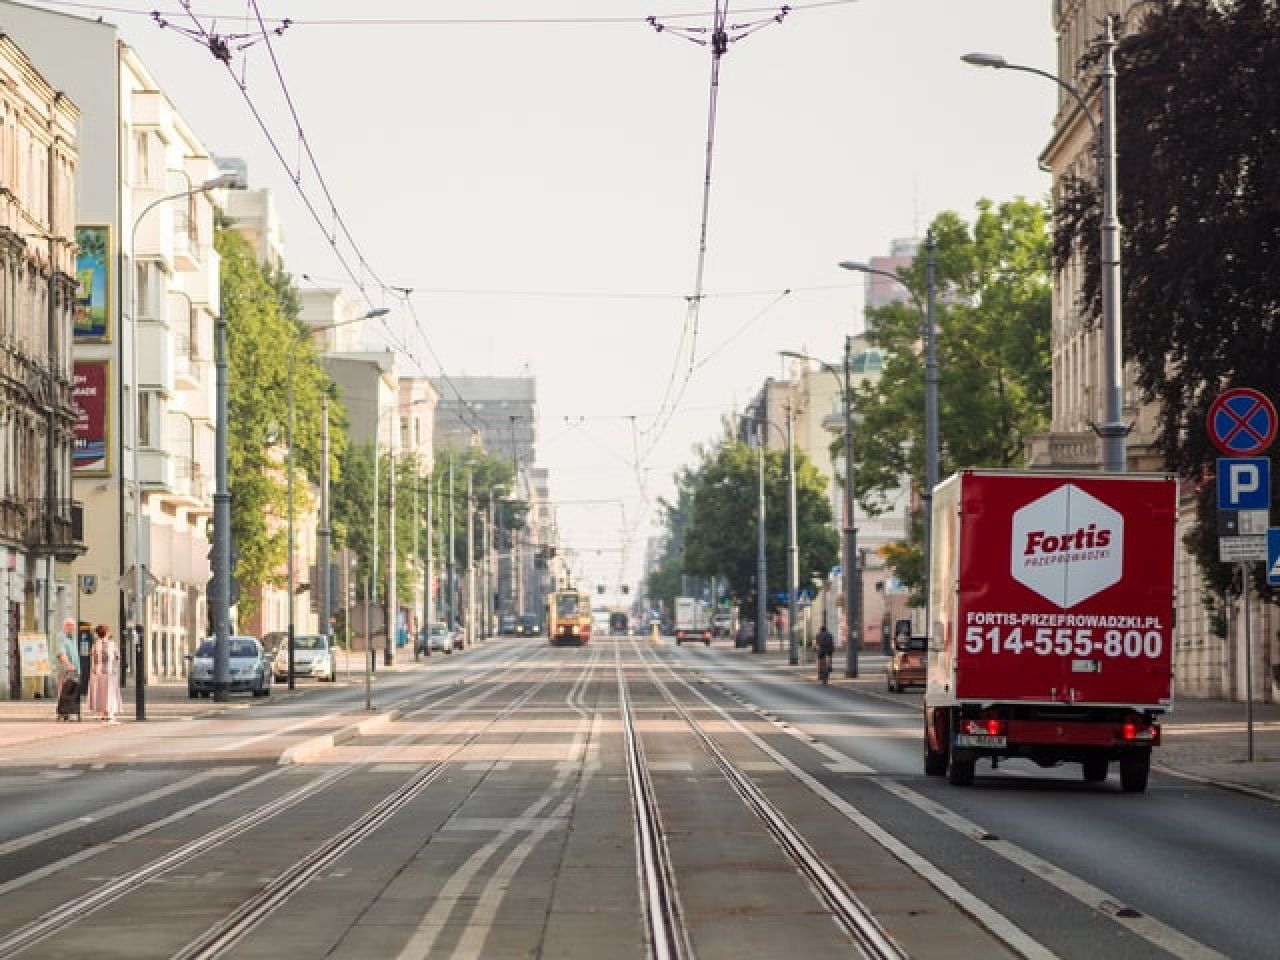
x=824 y=668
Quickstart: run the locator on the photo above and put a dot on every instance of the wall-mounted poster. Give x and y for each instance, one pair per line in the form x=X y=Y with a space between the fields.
x=90 y=392
x=93 y=284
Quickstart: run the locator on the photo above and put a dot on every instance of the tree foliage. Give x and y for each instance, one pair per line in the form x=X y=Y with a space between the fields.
x=264 y=339
x=720 y=539
x=1198 y=136
x=992 y=312
x=675 y=515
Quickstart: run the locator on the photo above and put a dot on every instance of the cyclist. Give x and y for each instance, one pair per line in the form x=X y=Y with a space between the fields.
x=826 y=650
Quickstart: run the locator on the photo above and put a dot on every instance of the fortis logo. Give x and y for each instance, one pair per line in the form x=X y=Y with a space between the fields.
x=1067 y=546
x=1086 y=538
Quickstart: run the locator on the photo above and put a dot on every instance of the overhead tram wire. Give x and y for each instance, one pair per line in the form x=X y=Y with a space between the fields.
x=218 y=46
x=716 y=38
x=348 y=22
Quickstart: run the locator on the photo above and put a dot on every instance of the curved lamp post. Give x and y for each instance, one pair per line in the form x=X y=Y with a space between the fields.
x=849 y=567
x=930 y=403
x=1112 y=430
x=138 y=605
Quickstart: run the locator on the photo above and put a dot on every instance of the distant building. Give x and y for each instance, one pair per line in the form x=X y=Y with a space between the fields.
x=498 y=412
x=146 y=341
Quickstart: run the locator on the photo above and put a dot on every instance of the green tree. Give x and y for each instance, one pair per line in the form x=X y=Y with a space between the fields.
x=721 y=540
x=992 y=312
x=264 y=340
x=675 y=515
x=1199 y=203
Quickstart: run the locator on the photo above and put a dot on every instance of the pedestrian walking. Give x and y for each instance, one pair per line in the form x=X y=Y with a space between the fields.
x=104 y=675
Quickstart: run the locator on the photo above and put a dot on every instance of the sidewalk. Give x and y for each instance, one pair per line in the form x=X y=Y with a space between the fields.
x=30 y=721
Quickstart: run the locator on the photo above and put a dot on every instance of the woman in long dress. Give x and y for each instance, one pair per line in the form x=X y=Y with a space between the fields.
x=104 y=675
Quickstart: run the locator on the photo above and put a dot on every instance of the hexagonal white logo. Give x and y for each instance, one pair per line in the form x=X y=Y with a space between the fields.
x=1067 y=546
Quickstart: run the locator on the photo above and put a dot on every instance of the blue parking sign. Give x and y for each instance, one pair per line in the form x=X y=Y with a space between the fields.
x=1273 y=557
x=1244 y=483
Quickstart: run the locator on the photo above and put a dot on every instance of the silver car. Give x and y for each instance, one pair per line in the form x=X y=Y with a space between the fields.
x=313 y=656
x=249 y=670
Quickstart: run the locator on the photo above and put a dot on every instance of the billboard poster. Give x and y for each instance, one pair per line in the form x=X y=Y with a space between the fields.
x=34 y=652
x=91 y=322
x=91 y=394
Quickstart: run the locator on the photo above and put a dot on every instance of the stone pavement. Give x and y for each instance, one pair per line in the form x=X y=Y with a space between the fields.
x=1204 y=740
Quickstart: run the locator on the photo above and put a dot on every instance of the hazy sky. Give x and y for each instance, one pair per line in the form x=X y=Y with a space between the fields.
x=533 y=172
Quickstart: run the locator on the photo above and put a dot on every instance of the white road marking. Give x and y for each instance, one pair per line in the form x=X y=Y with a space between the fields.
x=1150 y=929
x=31 y=839
x=997 y=923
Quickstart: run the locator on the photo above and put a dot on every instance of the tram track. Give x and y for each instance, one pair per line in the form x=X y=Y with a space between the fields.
x=254 y=910
x=664 y=924
x=233 y=927
x=861 y=926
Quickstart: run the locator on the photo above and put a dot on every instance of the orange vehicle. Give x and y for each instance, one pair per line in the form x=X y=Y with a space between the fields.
x=569 y=617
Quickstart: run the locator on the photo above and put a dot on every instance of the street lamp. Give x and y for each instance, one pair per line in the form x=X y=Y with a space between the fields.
x=848 y=561
x=137 y=611
x=793 y=653
x=1112 y=430
x=322 y=564
x=930 y=404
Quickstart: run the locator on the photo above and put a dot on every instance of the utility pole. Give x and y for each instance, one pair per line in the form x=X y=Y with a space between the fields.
x=323 y=600
x=427 y=562
x=793 y=549
x=471 y=559
x=220 y=594
x=762 y=579
x=452 y=598
x=388 y=656
x=852 y=581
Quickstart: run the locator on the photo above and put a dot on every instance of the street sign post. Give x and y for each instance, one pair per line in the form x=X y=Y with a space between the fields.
x=1241 y=422
x=1244 y=483
x=1273 y=557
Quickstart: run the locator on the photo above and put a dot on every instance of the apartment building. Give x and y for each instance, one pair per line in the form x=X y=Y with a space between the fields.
x=1205 y=664
x=41 y=524
x=143 y=350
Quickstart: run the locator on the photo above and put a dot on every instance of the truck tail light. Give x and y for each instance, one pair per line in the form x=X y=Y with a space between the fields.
x=1129 y=731
x=990 y=726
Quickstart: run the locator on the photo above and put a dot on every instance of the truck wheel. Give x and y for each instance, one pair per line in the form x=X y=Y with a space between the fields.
x=935 y=761
x=959 y=767
x=1134 y=769
x=1095 y=769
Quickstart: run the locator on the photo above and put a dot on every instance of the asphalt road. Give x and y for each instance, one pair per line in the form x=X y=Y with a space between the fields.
x=627 y=799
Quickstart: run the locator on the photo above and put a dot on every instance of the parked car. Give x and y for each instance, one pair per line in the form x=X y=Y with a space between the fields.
x=906 y=668
x=249 y=668
x=507 y=625
x=313 y=656
x=530 y=625
x=435 y=638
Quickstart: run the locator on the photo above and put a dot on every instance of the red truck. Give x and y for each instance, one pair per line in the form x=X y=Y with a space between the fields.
x=1052 y=603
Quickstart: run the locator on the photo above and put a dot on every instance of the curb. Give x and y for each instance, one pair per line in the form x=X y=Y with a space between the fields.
x=308 y=748
x=1258 y=793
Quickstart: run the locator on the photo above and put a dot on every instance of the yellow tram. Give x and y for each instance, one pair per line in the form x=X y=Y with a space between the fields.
x=569 y=617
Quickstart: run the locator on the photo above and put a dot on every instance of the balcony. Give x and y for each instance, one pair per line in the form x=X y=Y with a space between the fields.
x=158 y=470
x=186 y=240
x=55 y=527
x=156 y=356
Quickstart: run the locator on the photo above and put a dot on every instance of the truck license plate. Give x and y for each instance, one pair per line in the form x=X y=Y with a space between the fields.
x=979 y=740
